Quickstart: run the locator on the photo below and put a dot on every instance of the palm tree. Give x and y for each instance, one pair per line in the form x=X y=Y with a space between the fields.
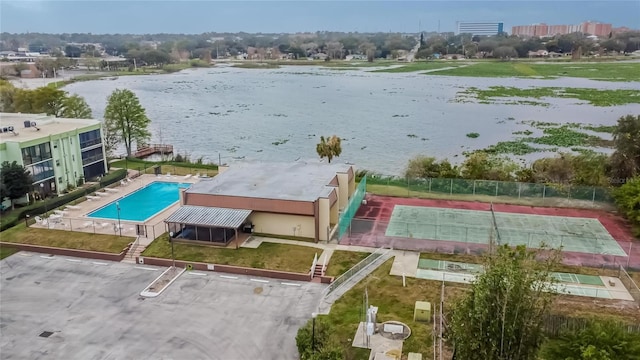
x=329 y=147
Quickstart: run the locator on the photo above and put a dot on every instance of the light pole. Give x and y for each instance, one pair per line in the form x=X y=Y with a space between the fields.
x=119 y=226
x=173 y=258
x=313 y=333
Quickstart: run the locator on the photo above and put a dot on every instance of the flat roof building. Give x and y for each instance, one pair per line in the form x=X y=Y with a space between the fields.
x=58 y=152
x=482 y=28
x=299 y=199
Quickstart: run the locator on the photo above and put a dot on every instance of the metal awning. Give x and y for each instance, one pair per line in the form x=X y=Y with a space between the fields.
x=209 y=216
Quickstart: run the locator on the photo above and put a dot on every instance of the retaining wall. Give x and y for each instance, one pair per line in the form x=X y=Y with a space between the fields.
x=285 y=275
x=69 y=252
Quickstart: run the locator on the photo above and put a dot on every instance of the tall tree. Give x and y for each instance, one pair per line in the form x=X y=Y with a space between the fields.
x=599 y=340
x=76 y=107
x=15 y=181
x=127 y=118
x=501 y=316
x=627 y=199
x=329 y=147
x=626 y=140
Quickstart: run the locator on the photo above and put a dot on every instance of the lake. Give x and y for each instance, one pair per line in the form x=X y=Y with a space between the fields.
x=383 y=118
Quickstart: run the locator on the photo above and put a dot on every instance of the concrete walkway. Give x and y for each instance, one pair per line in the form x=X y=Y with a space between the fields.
x=405 y=263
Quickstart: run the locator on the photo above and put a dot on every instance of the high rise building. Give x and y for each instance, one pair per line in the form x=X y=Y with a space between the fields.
x=542 y=30
x=488 y=28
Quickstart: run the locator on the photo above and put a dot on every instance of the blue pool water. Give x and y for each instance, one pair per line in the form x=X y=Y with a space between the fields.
x=142 y=204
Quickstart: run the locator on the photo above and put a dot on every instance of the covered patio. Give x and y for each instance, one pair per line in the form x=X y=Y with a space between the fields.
x=210 y=225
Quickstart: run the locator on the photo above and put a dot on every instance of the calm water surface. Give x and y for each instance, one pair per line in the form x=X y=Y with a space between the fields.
x=384 y=119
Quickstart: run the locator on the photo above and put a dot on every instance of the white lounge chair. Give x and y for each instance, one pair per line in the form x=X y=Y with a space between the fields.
x=90 y=198
x=104 y=193
x=85 y=225
x=111 y=190
x=196 y=175
x=129 y=181
x=123 y=183
x=188 y=176
x=60 y=212
x=168 y=175
x=39 y=220
x=73 y=207
x=104 y=225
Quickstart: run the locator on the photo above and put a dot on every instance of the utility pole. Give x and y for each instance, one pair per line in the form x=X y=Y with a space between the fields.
x=441 y=314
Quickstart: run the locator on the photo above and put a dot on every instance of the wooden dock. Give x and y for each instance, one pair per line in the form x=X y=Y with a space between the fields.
x=151 y=149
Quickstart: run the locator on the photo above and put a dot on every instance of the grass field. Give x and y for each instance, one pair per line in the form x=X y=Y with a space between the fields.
x=269 y=256
x=421 y=66
x=399 y=191
x=7 y=251
x=342 y=261
x=65 y=239
x=175 y=168
x=612 y=71
x=396 y=302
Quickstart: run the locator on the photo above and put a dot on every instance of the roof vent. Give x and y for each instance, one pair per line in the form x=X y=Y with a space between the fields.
x=27 y=124
x=33 y=125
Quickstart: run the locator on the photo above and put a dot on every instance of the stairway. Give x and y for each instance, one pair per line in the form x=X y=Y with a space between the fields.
x=135 y=250
x=318 y=271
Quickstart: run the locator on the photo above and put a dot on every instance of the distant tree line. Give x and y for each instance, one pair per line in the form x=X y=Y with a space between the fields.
x=503 y=46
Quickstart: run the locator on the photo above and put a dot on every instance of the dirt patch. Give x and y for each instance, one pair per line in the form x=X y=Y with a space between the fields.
x=164 y=280
x=258 y=290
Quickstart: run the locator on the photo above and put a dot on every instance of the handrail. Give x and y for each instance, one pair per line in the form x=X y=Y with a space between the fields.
x=134 y=246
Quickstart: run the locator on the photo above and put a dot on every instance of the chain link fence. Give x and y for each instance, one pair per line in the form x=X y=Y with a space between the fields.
x=475 y=240
x=529 y=193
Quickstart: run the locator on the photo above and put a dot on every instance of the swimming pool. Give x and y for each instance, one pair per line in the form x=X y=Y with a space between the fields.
x=142 y=204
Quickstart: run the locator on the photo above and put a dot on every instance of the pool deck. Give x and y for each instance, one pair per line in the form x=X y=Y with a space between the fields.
x=75 y=218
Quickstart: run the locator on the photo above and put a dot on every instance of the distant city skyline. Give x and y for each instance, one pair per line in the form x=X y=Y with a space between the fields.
x=194 y=17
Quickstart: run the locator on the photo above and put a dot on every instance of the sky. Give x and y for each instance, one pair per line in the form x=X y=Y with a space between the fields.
x=195 y=17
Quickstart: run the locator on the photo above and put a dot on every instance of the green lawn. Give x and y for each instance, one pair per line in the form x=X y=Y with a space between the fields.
x=342 y=261
x=270 y=256
x=65 y=239
x=175 y=168
x=400 y=191
x=7 y=251
x=420 y=66
x=394 y=302
x=620 y=71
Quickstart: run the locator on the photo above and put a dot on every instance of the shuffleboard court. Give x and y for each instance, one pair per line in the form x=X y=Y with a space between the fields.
x=572 y=234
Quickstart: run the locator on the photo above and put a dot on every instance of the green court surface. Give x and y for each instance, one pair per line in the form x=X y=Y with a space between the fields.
x=472 y=226
x=569 y=284
x=578 y=279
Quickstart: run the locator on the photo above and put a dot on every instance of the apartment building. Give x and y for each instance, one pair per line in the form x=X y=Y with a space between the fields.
x=58 y=152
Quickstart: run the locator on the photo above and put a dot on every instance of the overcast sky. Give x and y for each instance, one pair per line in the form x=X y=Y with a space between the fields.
x=140 y=17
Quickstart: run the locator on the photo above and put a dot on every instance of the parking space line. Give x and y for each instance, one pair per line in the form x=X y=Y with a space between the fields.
x=98 y=263
x=258 y=280
x=228 y=277
x=197 y=273
x=46 y=257
x=290 y=284
x=74 y=260
x=145 y=268
x=21 y=253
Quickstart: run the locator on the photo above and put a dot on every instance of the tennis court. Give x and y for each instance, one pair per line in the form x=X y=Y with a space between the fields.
x=573 y=234
x=568 y=283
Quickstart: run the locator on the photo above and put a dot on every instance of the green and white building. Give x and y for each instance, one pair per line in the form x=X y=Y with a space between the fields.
x=58 y=152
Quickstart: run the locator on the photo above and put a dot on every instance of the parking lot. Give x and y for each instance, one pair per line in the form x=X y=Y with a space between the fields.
x=92 y=310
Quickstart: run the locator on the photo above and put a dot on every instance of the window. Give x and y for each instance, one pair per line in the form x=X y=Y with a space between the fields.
x=73 y=158
x=93 y=171
x=91 y=156
x=57 y=162
x=41 y=171
x=90 y=138
x=36 y=153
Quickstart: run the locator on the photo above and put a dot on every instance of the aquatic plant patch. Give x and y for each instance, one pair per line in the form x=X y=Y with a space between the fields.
x=595 y=97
